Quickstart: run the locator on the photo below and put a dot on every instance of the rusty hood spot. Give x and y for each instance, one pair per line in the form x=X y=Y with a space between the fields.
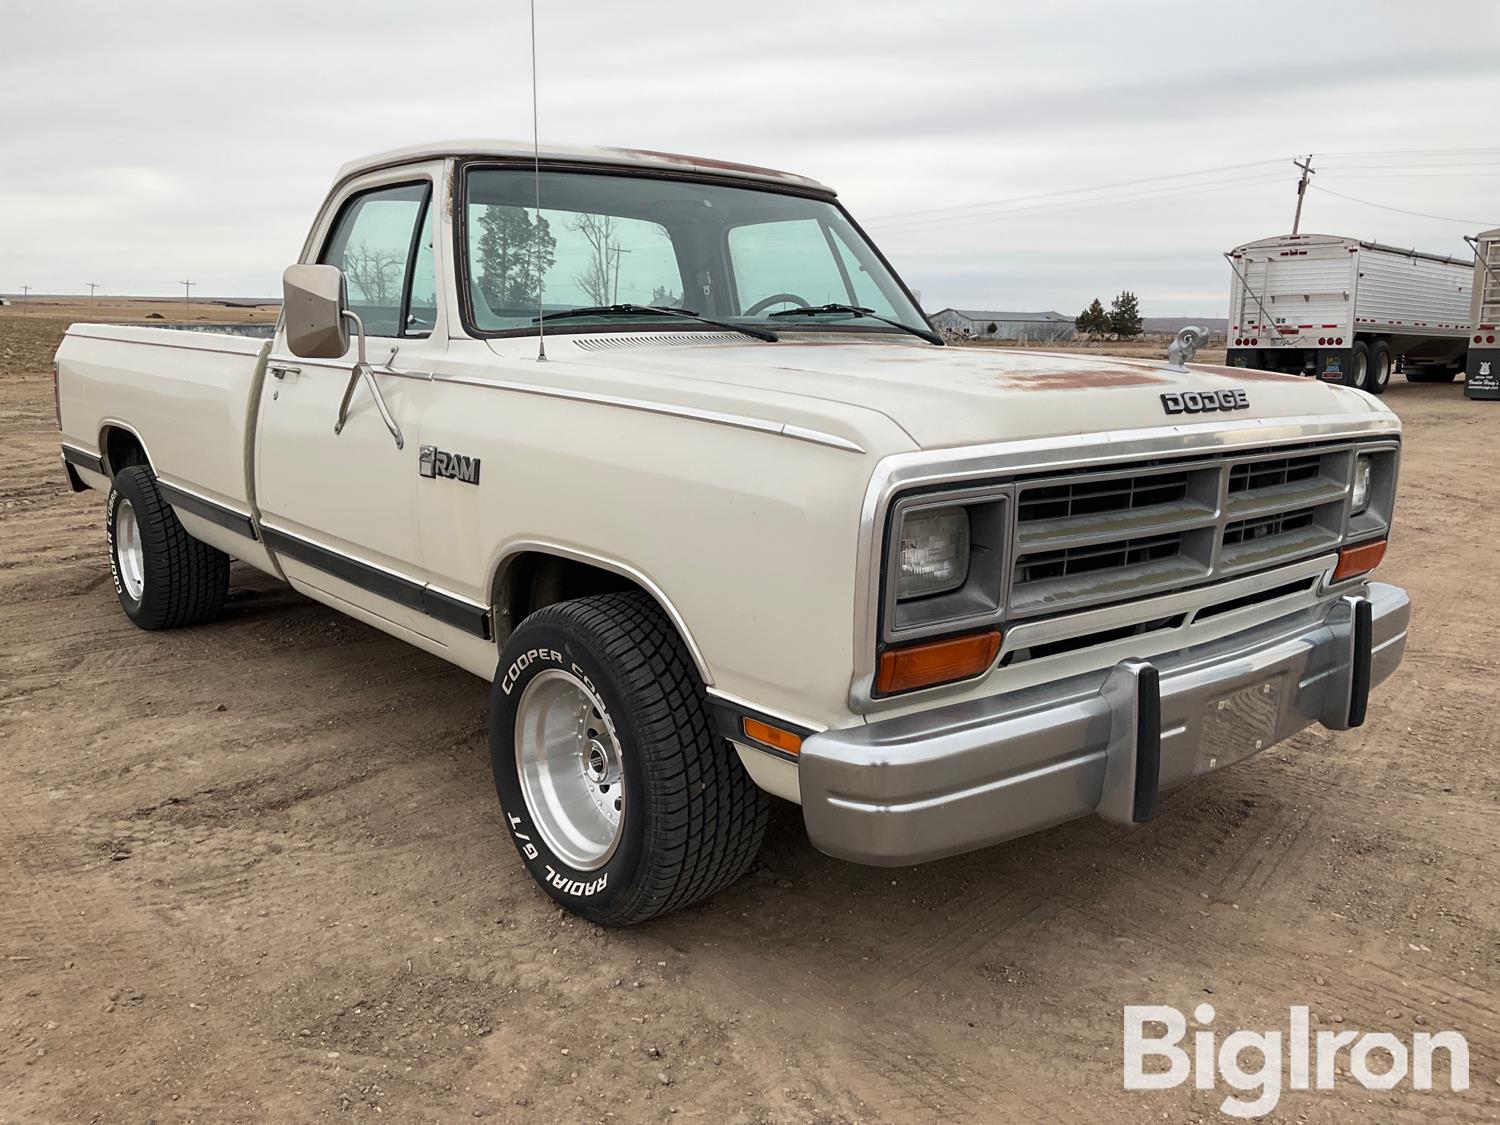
x=1083 y=379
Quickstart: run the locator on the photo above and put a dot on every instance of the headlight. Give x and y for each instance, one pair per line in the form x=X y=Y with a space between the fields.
x=934 y=554
x=1360 y=498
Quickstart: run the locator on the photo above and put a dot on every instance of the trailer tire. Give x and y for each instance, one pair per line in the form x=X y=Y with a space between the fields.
x=163 y=577
x=1380 y=367
x=597 y=705
x=1359 y=366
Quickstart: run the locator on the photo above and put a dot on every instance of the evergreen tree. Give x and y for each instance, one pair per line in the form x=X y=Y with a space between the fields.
x=1125 y=315
x=1092 y=321
x=515 y=253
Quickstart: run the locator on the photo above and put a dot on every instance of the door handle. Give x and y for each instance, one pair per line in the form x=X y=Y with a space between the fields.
x=281 y=371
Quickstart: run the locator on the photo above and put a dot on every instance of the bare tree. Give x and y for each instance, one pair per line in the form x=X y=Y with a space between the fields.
x=377 y=274
x=597 y=278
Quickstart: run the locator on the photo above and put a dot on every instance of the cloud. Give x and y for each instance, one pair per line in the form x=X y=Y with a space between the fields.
x=157 y=141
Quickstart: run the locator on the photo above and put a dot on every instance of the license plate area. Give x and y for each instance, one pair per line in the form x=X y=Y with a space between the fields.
x=1237 y=725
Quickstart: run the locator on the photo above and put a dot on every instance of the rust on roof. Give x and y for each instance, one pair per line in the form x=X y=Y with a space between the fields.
x=708 y=162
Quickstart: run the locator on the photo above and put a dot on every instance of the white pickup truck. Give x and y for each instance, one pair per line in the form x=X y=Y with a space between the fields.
x=749 y=527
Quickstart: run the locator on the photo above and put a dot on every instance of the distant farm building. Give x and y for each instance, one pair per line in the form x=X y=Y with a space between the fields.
x=1045 y=327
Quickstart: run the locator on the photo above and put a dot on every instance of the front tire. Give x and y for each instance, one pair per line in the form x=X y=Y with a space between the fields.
x=164 y=577
x=620 y=799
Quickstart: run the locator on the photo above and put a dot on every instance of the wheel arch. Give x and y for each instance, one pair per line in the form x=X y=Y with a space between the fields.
x=535 y=574
x=120 y=446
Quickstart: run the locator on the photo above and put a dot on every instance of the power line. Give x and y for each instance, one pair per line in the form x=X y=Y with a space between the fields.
x=1064 y=206
x=1422 y=152
x=993 y=203
x=1402 y=210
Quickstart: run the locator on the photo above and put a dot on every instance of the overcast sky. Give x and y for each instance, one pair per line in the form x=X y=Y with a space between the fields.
x=143 y=143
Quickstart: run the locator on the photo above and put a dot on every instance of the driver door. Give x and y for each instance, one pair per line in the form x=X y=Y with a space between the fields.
x=339 y=510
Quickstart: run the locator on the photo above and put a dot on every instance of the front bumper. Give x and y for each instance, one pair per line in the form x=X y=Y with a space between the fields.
x=962 y=777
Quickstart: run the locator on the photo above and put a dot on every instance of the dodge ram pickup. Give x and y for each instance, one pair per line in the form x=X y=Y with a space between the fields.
x=664 y=449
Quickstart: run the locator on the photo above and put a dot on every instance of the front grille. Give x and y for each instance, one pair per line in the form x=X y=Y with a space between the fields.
x=1106 y=556
x=1247 y=531
x=1093 y=538
x=1251 y=475
x=1060 y=501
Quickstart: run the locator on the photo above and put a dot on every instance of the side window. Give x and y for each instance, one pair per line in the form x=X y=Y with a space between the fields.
x=381 y=249
x=791 y=257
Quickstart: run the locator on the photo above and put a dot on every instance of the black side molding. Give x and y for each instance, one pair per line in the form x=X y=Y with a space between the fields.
x=382 y=583
x=1147 y=745
x=1362 y=656
x=224 y=517
x=83 y=459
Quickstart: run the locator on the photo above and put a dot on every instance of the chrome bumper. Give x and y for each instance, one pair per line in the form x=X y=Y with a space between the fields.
x=966 y=776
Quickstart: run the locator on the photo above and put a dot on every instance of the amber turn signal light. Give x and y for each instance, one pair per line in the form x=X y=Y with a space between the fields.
x=1359 y=560
x=936 y=662
x=775 y=737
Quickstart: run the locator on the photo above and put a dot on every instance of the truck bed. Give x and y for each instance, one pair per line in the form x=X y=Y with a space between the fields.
x=188 y=398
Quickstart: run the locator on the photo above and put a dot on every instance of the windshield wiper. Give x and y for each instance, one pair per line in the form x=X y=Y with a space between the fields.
x=855 y=310
x=658 y=310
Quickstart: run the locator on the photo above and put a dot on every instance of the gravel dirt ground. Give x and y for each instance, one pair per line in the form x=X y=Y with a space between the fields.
x=256 y=872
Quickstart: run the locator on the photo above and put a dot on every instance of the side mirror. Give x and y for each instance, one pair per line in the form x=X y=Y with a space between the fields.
x=314 y=305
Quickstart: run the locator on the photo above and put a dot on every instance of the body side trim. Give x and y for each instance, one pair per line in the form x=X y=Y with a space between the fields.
x=383 y=582
x=740 y=421
x=73 y=455
x=211 y=510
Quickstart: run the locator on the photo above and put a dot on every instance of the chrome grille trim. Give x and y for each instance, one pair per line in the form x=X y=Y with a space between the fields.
x=1233 y=513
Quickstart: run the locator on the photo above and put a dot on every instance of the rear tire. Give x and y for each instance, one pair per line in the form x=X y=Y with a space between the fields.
x=1380 y=367
x=1359 y=366
x=623 y=803
x=164 y=577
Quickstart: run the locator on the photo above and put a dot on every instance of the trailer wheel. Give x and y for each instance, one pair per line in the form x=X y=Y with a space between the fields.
x=621 y=800
x=164 y=577
x=1359 y=366
x=1380 y=367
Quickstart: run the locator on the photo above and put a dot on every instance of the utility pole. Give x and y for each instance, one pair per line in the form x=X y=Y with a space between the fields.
x=613 y=258
x=1307 y=170
x=25 y=298
x=92 y=286
x=187 y=294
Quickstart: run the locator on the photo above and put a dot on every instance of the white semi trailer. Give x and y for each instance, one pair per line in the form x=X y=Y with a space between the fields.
x=1483 y=372
x=1346 y=311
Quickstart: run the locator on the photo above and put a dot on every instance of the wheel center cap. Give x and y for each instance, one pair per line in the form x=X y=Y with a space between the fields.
x=598 y=761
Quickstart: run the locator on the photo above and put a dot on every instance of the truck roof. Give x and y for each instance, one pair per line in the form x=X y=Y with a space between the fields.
x=1404 y=251
x=581 y=154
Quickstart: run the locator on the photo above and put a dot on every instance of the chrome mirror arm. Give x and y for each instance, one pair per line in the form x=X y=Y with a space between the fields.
x=363 y=370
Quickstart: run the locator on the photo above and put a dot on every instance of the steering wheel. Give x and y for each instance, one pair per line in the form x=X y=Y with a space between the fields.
x=776 y=299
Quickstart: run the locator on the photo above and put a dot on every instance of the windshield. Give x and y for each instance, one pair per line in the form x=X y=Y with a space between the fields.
x=736 y=254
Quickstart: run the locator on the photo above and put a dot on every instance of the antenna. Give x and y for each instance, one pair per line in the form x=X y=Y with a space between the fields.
x=536 y=171
x=1307 y=170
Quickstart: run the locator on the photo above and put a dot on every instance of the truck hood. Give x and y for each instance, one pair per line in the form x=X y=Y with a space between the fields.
x=954 y=396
